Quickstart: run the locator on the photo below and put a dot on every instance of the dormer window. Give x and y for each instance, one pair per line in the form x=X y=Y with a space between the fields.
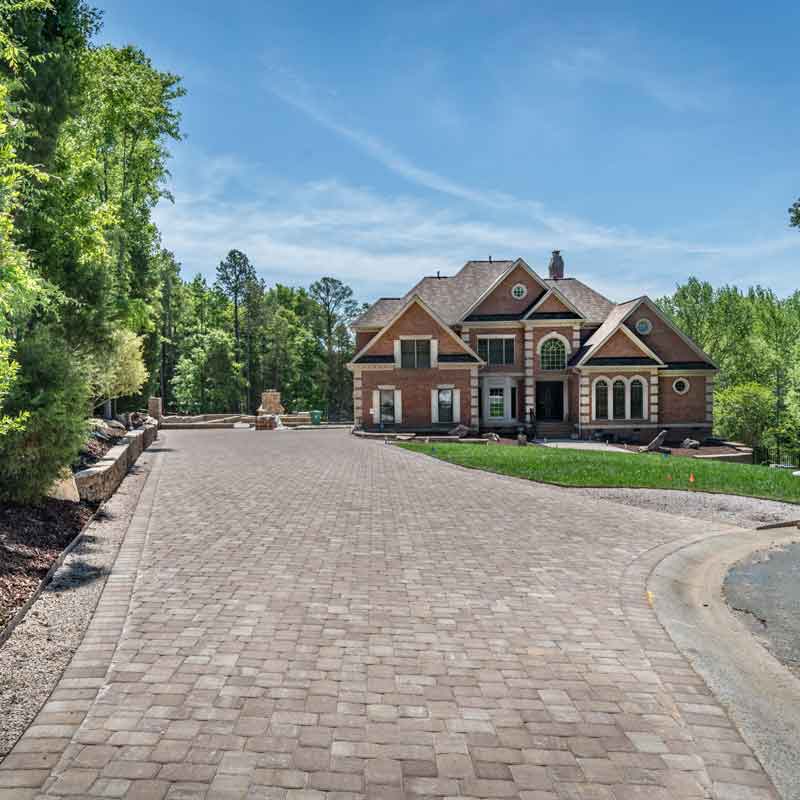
x=519 y=291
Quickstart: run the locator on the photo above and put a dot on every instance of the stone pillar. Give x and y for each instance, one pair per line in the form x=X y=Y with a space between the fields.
x=154 y=409
x=530 y=393
x=358 y=391
x=654 y=397
x=271 y=403
x=474 y=396
x=585 y=400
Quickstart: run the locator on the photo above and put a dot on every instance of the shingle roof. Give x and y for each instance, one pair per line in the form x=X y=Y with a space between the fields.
x=380 y=312
x=592 y=304
x=451 y=297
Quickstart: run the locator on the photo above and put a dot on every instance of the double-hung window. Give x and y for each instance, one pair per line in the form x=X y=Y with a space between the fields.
x=415 y=353
x=445 y=403
x=387 y=406
x=497 y=402
x=496 y=350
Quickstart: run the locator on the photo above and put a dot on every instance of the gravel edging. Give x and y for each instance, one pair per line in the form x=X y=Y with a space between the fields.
x=43 y=643
x=745 y=512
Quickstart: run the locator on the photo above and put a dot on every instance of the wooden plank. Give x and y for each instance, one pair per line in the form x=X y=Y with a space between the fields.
x=773 y=525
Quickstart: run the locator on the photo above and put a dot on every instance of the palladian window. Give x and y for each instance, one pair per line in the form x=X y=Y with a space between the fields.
x=553 y=354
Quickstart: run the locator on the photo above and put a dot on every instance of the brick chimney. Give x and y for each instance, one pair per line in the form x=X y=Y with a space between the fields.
x=556 y=266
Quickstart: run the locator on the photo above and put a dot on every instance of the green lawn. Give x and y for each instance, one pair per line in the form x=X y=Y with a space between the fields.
x=591 y=468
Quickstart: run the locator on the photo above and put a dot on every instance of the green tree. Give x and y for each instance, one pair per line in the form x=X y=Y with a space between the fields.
x=52 y=390
x=207 y=376
x=337 y=310
x=121 y=371
x=744 y=412
x=794 y=214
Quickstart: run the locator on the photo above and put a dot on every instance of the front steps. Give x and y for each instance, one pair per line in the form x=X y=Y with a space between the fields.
x=554 y=430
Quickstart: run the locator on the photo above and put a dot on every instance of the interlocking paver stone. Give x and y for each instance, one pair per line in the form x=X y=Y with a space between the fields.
x=306 y=615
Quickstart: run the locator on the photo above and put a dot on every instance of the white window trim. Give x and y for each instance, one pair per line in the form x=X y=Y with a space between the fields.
x=627 y=381
x=519 y=286
x=376 y=404
x=567 y=349
x=398 y=354
x=686 y=381
x=435 y=403
x=649 y=326
x=496 y=336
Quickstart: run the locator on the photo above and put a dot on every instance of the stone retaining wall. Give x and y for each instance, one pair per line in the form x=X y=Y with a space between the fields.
x=99 y=482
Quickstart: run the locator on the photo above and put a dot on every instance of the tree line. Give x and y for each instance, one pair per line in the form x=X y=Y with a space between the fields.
x=754 y=338
x=92 y=306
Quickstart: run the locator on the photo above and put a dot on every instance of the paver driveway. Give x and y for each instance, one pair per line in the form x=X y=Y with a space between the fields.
x=295 y=614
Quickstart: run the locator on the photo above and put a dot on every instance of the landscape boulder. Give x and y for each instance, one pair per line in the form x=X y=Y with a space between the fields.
x=655 y=445
x=460 y=430
x=690 y=444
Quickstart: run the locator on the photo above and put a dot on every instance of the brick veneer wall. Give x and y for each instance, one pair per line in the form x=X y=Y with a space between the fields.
x=662 y=339
x=689 y=407
x=416 y=386
x=363 y=338
x=620 y=345
x=552 y=304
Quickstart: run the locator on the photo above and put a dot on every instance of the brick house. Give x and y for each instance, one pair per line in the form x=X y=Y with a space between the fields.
x=496 y=345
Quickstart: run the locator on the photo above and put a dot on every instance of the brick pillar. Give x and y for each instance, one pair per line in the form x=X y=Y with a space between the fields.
x=154 y=409
x=530 y=392
x=654 y=397
x=474 y=394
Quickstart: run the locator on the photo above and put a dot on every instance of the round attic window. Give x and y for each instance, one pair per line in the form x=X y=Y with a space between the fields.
x=519 y=291
x=680 y=385
x=644 y=326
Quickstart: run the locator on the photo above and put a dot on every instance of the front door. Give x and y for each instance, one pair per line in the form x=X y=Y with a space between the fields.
x=550 y=401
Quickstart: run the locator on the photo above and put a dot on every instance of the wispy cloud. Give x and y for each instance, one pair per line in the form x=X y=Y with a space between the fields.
x=677 y=92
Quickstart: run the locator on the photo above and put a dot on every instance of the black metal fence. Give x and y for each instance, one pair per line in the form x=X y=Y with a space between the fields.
x=785 y=454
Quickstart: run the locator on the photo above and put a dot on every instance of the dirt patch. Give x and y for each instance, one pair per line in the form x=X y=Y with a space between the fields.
x=31 y=539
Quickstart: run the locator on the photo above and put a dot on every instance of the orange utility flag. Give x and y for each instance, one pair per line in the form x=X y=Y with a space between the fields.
x=691 y=477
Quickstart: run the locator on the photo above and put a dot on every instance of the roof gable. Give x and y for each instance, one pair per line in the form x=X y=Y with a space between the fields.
x=620 y=345
x=612 y=325
x=497 y=297
x=417 y=318
x=672 y=343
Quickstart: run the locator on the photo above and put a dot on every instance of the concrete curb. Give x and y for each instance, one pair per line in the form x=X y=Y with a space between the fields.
x=759 y=694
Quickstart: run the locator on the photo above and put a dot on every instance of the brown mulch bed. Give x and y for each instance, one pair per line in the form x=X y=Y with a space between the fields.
x=31 y=539
x=707 y=450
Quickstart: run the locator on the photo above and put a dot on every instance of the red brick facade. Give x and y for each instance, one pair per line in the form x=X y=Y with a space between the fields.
x=415 y=386
x=475 y=382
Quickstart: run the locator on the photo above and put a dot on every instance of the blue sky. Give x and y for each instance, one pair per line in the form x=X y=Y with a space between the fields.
x=382 y=141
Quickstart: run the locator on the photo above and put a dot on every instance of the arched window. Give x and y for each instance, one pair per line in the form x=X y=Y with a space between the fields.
x=619 y=399
x=553 y=354
x=601 y=400
x=637 y=399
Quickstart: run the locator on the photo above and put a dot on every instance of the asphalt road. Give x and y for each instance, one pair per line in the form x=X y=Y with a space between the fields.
x=764 y=589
